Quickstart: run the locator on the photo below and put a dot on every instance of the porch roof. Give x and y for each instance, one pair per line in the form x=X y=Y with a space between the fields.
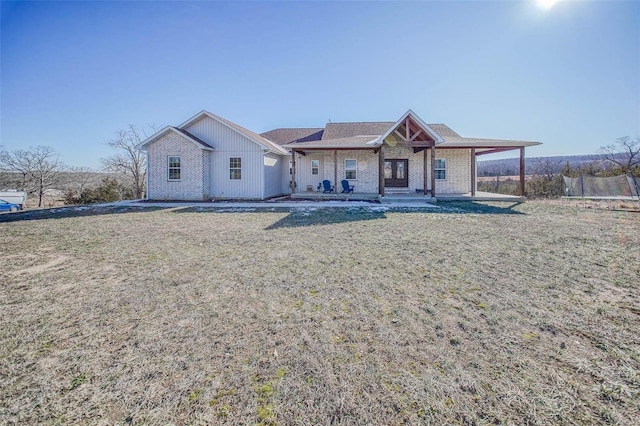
x=369 y=142
x=459 y=142
x=353 y=142
x=409 y=130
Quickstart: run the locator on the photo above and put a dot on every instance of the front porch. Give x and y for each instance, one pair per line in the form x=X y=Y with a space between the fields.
x=391 y=198
x=408 y=161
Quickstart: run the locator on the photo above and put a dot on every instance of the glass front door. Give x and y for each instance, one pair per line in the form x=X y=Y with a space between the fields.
x=396 y=173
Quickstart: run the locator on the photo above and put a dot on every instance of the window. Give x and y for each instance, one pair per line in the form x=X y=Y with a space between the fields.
x=174 y=168
x=351 y=169
x=315 y=167
x=441 y=168
x=235 y=168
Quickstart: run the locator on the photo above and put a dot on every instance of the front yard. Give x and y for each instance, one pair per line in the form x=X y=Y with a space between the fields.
x=470 y=314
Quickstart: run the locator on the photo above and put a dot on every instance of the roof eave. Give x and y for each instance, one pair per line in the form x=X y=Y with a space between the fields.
x=142 y=145
x=497 y=144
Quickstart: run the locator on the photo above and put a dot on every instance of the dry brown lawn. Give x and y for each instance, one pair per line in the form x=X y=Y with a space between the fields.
x=472 y=314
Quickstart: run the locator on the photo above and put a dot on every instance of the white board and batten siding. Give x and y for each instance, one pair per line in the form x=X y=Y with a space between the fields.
x=273 y=165
x=304 y=172
x=285 y=178
x=227 y=144
x=306 y=181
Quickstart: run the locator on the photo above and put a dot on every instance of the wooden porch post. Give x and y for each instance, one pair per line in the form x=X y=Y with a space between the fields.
x=293 y=171
x=381 y=170
x=473 y=172
x=425 y=168
x=522 y=171
x=335 y=171
x=433 y=171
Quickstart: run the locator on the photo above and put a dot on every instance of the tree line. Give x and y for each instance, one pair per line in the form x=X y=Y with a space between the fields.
x=38 y=171
x=545 y=177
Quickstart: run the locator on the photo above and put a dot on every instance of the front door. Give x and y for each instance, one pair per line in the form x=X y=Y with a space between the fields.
x=396 y=173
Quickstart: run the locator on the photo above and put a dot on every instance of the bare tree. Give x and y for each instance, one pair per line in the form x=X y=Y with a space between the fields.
x=625 y=152
x=497 y=169
x=81 y=178
x=129 y=160
x=38 y=168
x=547 y=167
x=19 y=163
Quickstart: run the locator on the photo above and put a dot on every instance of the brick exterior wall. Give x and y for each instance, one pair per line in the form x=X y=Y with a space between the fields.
x=367 y=175
x=458 y=176
x=458 y=179
x=194 y=163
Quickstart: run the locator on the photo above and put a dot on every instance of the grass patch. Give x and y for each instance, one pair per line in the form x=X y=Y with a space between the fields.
x=474 y=313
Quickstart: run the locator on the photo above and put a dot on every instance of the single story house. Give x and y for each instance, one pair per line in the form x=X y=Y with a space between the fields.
x=209 y=157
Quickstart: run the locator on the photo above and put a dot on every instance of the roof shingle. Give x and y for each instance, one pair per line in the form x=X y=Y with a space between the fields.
x=444 y=131
x=284 y=136
x=346 y=130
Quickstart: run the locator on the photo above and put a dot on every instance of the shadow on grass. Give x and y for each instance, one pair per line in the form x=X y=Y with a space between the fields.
x=297 y=219
x=299 y=216
x=313 y=216
x=495 y=207
x=72 y=211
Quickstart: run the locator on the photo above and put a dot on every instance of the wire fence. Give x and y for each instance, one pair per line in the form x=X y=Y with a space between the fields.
x=622 y=187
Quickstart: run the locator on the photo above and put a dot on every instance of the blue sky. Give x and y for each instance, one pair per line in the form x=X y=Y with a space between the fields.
x=73 y=73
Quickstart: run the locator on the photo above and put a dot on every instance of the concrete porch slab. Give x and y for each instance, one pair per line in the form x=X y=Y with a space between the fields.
x=407 y=197
x=319 y=196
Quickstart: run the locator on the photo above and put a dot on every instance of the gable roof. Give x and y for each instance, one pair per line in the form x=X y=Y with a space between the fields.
x=413 y=116
x=260 y=140
x=180 y=132
x=284 y=136
x=368 y=134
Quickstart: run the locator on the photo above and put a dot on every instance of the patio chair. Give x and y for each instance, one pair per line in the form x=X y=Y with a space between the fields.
x=346 y=188
x=327 y=186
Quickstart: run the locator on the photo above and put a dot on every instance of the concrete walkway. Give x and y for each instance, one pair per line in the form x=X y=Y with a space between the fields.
x=271 y=204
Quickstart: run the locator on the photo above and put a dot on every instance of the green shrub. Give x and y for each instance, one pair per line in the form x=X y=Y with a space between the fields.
x=108 y=191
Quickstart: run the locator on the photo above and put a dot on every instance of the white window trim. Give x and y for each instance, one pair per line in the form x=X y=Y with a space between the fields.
x=441 y=168
x=345 y=168
x=169 y=157
x=315 y=167
x=235 y=168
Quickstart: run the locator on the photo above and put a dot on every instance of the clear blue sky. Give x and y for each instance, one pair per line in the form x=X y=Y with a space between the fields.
x=73 y=73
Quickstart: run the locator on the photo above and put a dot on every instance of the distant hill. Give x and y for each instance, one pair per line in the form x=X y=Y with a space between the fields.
x=64 y=180
x=510 y=166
